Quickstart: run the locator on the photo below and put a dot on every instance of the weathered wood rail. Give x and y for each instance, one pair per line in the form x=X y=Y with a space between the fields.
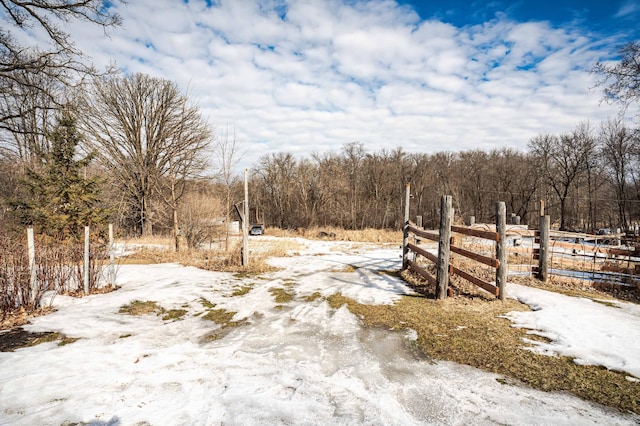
x=446 y=246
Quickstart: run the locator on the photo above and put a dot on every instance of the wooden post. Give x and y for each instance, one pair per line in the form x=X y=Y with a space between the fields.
x=245 y=220
x=112 y=259
x=444 y=247
x=501 y=248
x=543 y=261
x=541 y=208
x=405 y=227
x=86 y=260
x=31 y=249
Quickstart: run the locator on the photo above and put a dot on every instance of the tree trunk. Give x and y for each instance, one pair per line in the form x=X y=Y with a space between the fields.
x=147 y=227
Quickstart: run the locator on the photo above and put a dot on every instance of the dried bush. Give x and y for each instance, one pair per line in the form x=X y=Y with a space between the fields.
x=59 y=269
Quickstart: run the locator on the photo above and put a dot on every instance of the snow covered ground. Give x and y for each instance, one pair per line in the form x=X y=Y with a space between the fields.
x=301 y=362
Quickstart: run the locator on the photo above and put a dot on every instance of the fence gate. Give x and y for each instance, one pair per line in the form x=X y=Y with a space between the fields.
x=446 y=245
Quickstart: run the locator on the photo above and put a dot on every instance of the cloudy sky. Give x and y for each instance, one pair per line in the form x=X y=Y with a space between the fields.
x=307 y=76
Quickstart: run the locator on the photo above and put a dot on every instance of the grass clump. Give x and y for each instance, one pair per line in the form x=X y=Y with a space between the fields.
x=223 y=318
x=20 y=338
x=471 y=332
x=173 y=314
x=312 y=297
x=242 y=290
x=53 y=337
x=281 y=295
x=207 y=304
x=138 y=307
x=219 y=316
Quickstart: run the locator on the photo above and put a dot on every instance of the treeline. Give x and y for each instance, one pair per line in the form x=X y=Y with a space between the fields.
x=589 y=179
x=82 y=147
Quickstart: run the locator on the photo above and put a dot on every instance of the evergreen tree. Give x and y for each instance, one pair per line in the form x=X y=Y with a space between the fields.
x=59 y=199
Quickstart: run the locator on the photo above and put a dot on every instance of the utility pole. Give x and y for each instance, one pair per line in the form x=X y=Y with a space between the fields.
x=245 y=232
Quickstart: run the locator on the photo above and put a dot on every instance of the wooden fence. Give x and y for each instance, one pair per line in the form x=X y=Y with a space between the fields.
x=544 y=252
x=446 y=246
x=563 y=254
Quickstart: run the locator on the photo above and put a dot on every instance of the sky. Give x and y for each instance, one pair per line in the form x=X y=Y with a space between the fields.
x=304 y=76
x=298 y=362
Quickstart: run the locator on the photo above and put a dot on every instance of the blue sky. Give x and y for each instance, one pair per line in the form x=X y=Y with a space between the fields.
x=306 y=76
x=604 y=17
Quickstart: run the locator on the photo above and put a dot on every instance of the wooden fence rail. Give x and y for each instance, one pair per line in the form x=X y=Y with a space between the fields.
x=446 y=246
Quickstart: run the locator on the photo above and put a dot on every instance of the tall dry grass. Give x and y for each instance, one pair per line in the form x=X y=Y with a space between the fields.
x=368 y=235
x=217 y=258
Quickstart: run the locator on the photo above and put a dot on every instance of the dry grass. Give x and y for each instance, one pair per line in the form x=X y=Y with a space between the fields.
x=338 y=234
x=154 y=240
x=261 y=249
x=223 y=318
x=471 y=332
x=138 y=307
x=281 y=295
x=242 y=290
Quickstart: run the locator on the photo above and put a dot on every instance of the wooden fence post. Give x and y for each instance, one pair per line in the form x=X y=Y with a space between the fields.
x=501 y=248
x=444 y=247
x=112 y=256
x=31 y=249
x=405 y=227
x=86 y=260
x=543 y=260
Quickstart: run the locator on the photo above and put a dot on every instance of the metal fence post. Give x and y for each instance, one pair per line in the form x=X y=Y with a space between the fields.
x=112 y=267
x=86 y=260
x=31 y=249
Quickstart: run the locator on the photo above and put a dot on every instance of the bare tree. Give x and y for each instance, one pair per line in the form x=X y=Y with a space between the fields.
x=621 y=80
x=515 y=177
x=150 y=137
x=562 y=160
x=276 y=175
x=353 y=155
x=33 y=71
x=227 y=152
x=617 y=149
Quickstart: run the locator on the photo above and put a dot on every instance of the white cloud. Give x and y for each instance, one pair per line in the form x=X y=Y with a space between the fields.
x=628 y=8
x=331 y=72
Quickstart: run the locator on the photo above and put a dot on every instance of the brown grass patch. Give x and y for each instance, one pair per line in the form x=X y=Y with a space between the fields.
x=281 y=295
x=20 y=338
x=139 y=307
x=471 y=332
x=219 y=316
x=173 y=314
x=223 y=318
x=338 y=234
x=218 y=260
x=310 y=298
x=242 y=290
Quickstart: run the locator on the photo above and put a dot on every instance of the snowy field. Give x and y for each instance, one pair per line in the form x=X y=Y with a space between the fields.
x=298 y=363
